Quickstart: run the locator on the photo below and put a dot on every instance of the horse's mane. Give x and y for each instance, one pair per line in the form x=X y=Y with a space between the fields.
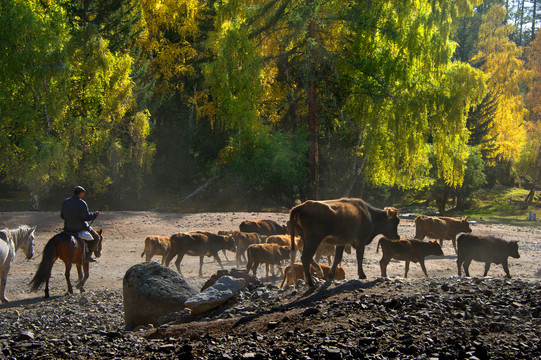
x=17 y=231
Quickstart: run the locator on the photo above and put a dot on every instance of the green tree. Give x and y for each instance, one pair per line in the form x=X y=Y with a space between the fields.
x=34 y=65
x=67 y=104
x=398 y=54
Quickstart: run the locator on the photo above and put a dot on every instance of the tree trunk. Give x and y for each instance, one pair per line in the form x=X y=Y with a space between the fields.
x=521 y=22
x=533 y=19
x=530 y=196
x=313 y=151
x=441 y=200
x=356 y=170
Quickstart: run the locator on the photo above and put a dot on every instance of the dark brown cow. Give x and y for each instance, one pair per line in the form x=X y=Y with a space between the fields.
x=339 y=222
x=487 y=249
x=242 y=241
x=264 y=227
x=156 y=245
x=408 y=250
x=198 y=244
x=440 y=228
x=269 y=254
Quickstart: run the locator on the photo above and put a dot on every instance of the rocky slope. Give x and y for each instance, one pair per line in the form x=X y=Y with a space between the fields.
x=439 y=318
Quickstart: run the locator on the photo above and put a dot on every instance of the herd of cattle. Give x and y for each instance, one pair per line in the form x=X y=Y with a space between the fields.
x=328 y=228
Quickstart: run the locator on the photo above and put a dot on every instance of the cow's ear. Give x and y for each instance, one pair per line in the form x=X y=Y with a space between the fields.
x=391 y=211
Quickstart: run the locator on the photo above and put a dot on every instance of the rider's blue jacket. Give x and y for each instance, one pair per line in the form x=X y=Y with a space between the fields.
x=75 y=214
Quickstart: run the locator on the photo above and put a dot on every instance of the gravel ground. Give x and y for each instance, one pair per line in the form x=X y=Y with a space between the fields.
x=441 y=317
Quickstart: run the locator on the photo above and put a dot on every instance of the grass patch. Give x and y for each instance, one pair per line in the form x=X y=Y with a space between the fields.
x=503 y=205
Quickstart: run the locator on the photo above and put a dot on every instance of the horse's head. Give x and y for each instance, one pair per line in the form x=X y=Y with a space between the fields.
x=28 y=241
x=97 y=248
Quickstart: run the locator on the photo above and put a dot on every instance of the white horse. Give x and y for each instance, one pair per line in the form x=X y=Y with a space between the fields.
x=10 y=241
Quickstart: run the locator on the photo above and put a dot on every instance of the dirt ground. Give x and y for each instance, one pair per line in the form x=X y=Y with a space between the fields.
x=124 y=233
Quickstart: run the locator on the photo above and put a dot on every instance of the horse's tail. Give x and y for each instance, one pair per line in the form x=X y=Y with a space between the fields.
x=45 y=266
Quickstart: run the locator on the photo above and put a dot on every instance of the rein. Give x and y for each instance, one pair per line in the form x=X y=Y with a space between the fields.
x=106 y=207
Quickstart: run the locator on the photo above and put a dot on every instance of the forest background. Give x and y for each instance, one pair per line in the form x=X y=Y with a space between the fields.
x=235 y=105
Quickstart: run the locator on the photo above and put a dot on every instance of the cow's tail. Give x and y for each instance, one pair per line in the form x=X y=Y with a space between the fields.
x=292 y=225
x=147 y=240
x=377 y=247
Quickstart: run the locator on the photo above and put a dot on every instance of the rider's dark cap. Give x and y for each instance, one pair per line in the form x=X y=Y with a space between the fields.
x=78 y=189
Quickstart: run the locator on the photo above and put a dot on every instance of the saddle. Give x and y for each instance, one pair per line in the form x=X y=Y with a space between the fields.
x=81 y=237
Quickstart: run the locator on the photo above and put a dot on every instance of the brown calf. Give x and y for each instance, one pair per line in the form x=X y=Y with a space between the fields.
x=487 y=249
x=408 y=250
x=339 y=222
x=198 y=244
x=440 y=228
x=156 y=245
x=297 y=273
x=269 y=254
x=242 y=241
x=264 y=227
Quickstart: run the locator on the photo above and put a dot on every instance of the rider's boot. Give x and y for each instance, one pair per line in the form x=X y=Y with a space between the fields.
x=88 y=253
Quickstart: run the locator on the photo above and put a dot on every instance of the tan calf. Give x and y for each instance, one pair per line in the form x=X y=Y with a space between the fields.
x=441 y=228
x=328 y=251
x=298 y=273
x=156 y=245
x=269 y=254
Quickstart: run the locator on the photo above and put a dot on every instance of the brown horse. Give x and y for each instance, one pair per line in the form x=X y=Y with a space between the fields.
x=70 y=250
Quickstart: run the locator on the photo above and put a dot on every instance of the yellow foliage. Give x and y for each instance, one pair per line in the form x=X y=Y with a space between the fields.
x=171 y=59
x=501 y=62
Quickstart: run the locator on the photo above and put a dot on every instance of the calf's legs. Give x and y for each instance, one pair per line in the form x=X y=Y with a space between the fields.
x=487 y=267
x=506 y=268
x=422 y=262
x=383 y=265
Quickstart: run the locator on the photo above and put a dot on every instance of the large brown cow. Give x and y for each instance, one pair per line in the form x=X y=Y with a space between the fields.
x=198 y=244
x=269 y=254
x=440 y=228
x=487 y=249
x=339 y=222
x=408 y=250
x=264 y=227
x=156 y=245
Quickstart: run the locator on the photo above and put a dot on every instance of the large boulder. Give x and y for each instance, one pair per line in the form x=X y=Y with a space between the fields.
x=223 y=289
x=152 y=291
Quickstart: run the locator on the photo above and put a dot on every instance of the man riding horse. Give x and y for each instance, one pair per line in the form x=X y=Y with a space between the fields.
x=75 y=214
